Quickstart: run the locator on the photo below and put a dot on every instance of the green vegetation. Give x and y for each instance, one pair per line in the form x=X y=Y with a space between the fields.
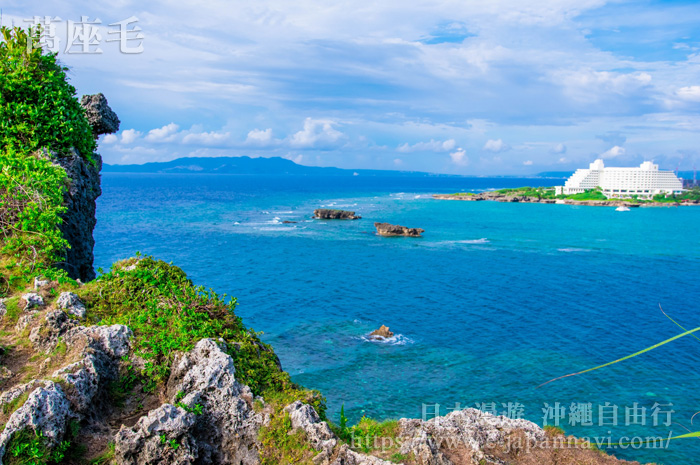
x=13 y=310
x=549 y=193
x=105 y=457
x=554 y=430
x=368 y=435
x=692 y=194
x=39 y=115
x=31 y=448
x=168 y=314
x=591 y=194
x=38 y=108
x=31 y=202
x=399 y=458
x=281 y=444
x=9 y=407
x=128 y=378
x=538 y=192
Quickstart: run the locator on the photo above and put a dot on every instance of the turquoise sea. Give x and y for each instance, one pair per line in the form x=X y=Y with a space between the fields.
x=494 y=300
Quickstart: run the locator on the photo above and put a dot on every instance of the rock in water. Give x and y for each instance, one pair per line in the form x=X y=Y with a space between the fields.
x=383 y=331
x=100 y=116
x=386 y=229
x=329 y=214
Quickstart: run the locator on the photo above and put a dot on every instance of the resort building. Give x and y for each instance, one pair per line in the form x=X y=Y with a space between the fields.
x=644 y=181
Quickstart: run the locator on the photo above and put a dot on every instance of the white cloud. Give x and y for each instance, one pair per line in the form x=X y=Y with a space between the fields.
x=129 y=136
x=398 y=161
x=109 y=139
x=559 y=149
x=589 y=86
x=616 y=151
x=563 y=160
x=317 y=133
x=544 y=64
x=165 y=134
x=431 y=146
x=495 y=146
x=207 y=138
x=459 y=157
x=527 y=163
x=259 y=137
x=690 y=93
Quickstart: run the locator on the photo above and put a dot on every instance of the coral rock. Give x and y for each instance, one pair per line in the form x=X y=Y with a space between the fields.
x=387 y=229
x=383 y=331
x=71 y=304
x=318 y=433
x=164 y=436
x=32 y=300
x=328 y=214
x=46 y=411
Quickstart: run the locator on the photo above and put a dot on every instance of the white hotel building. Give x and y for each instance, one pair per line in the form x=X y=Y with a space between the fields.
x=644 y=182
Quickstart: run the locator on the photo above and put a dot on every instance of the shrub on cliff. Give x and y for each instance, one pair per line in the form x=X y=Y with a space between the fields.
x=31 y=202
x=39 y=117
x=38 y=107
x=169 y=314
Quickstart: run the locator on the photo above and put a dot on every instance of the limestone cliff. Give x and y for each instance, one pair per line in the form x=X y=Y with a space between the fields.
x=83 y=190
x=79 y=220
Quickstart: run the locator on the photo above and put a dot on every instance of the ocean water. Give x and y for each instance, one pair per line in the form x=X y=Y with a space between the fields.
x=493 y=301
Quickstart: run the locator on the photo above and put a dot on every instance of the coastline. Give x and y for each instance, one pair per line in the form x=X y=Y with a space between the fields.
x=496 y=196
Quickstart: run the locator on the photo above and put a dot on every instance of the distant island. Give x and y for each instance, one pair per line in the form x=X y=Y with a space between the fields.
x=278 y=165
x=592 y=197
x=248 y=165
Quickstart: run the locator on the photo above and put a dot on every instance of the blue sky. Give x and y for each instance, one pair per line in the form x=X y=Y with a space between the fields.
x=463 y=87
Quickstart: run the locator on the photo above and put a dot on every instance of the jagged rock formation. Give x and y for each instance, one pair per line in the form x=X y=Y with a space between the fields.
x=71 y=384
x=329 y=214
x=386 y=229
x=100 y=116
x=383 y=331
x=223 y=430
x=71 y=304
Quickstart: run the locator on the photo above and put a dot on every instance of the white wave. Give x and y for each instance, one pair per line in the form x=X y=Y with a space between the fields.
x=395 y=340
x=573 y=249
x=483 y=240
x=236 y=222
x=273 y=229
